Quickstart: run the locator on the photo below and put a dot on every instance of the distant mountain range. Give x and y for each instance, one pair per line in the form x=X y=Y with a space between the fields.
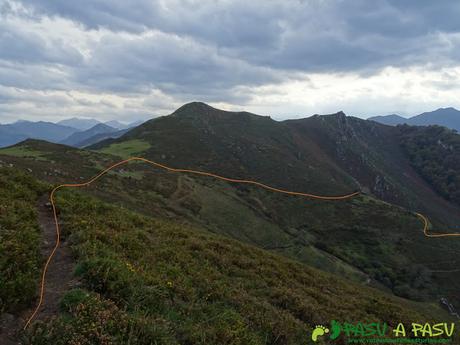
x=76 y=132
x=78 y=137
x=88 y=141
x=83 y=124
x=82 y=132
x=447 y=117
x=13 y=133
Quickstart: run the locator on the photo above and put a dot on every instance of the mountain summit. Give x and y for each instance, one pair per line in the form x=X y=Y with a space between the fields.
x=205 y=111
x=193 y=108
x=447 y=117
x=79 y=123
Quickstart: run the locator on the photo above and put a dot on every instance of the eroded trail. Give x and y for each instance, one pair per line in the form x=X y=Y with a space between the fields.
x=59 y=275
x=10 y=325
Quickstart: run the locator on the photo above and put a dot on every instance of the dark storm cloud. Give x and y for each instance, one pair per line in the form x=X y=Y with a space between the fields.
x=174 y=64
x=295 y=35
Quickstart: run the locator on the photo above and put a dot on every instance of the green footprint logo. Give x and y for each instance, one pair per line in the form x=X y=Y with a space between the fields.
x=319 y=331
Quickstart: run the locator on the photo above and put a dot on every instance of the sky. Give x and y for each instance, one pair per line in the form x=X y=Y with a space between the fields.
x=131 y=60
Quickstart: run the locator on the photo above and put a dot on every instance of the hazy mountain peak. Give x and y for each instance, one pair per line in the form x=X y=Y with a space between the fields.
x=448 y=117
x=116 y=124
x=136 y=123
x=390 y=116
x=76 y=138
x=79 y=123
x=391 y=120
x=441 y=111
x=447 y=109
x=103 y=126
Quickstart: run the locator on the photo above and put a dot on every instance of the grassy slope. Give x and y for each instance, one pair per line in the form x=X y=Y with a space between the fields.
x=364 y=239
x=147 y=279
x=372 y=153
x=55 y=163
x=435 y=153
x=322 y=154
x=127 y=149
x=23 y=151
x=128 y=304
x=239 y=145
x=20 y=257
x=312 y=155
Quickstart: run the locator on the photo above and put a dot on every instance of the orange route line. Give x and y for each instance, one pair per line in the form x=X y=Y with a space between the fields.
x=426 y=224
x=189 y=171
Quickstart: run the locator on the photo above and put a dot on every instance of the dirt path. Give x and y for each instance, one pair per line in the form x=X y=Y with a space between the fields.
x=59 y=278
x=9 y=327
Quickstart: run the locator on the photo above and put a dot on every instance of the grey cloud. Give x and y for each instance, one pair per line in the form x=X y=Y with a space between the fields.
x=26 y=47
x=297 y=35
x=175 y=65
x=360 y=36
x=115 y=15
x=33 y=76
x=19 y=104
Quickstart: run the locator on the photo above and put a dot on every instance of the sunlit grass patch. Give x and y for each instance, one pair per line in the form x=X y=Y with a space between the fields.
x=24 y=152
x=127 y=149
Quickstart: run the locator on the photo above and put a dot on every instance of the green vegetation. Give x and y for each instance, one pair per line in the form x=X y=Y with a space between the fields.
x=434 y=152
x=55 y=163
x=240 y=145
x=152 y=275
x=20 y=258
x=127 y=148
x=364 y=239
x=383 y=242
x=321 y=154
x=24 y=151
x=137 y=175
x=149 y=281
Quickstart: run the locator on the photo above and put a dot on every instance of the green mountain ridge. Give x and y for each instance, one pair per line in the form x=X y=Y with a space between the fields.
x=332 y=154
